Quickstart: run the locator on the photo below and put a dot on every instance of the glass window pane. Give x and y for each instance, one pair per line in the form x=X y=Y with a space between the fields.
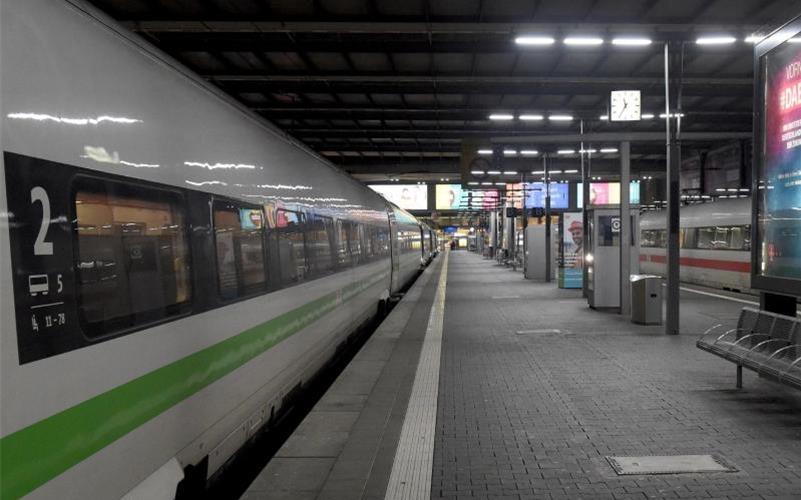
x=132 y=252
x=291 y=246
x=240 y=249
x=318 y=239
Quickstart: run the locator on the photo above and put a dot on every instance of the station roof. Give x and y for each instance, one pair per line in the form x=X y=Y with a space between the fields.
x=393 y=88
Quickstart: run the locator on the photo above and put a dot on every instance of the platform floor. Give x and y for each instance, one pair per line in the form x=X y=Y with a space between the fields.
x=535 y=389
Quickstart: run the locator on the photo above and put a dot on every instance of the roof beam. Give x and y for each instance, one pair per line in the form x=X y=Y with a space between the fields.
x=245 y=26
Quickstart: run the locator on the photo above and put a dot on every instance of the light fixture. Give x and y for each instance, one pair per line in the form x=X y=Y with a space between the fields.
x=532 y=118
x=529 y=152
x=510 y=172
x=604 y=117
x=554 y=172
x=537 y=172
x=501 y=117
x=588 y=151
x=572 y=171
x=486 y=184
x=795 y=40
x=485 y=151
x=534 y=40
x=647 y=116
x=632 y=42
x=560 y=118
x=493 y=172
x=585 y=41
x=754 y=39
x=566 y=152
x=716 y=40
x=500 y=183
x=477 y=172
x=672 y=115
x=472 y=183
x=510 y=152
x=608 y=150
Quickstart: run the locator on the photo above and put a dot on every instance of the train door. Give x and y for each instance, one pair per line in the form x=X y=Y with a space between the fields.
x=394 y=251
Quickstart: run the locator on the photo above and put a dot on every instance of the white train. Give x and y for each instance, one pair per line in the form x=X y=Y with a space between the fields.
x=715 y=244
x=172 y=266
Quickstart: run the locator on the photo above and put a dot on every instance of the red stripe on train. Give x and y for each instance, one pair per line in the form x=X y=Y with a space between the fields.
x=720 y=265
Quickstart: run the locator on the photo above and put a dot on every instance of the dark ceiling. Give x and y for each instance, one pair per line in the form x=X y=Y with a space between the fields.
x=392 y=87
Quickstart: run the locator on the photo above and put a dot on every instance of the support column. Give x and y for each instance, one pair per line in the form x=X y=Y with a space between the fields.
x=548 y=269
x=625 y=228
x=585 y=201
x=673 y=75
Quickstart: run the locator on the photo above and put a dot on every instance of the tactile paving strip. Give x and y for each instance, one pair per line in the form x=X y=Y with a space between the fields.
x=670 y=464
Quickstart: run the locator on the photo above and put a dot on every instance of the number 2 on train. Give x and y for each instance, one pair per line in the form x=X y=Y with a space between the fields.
x=40 y=246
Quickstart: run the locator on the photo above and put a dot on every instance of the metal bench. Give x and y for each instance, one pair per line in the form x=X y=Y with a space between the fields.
x=768 y=343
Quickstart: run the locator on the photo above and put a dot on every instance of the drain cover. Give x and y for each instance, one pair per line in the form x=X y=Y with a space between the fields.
x=543 y=331
x=675 y=464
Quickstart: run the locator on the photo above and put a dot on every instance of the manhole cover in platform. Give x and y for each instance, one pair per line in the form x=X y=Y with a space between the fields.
x=675 y=464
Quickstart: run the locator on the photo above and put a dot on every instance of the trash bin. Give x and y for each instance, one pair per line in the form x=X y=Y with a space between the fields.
x=646 y=299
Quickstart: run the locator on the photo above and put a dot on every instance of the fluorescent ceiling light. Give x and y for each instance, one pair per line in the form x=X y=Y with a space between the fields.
x=604 y=117
x=566 y=152
x=754 y=39
x=560 y=118
x=477 y=172
x=501 y=117
x=486 y=184
x=534 y=40
x=510 y=172
x=588 y=151
x=554 y=172
x=716 y=40
x=472 y=183
x=571 y=171
x=608 y=150
x=529 y=152
x=532 y=118
x=672 y=115
x=647 y=116
x=500 y=183
x=537 y=172
x=584 y=41
x=795 y=40
x=510 y=152
x=493 y=172
x=485 y=151
x=632 y=42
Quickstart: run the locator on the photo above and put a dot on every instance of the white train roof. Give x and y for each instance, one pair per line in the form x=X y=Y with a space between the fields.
x=735 y=212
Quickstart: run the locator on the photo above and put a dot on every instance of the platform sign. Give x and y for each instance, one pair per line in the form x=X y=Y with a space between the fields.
x=448 y=196
x=776 y=254
x=535 y=194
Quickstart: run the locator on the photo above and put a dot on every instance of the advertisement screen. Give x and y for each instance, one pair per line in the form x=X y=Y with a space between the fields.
x=406 y=196
x=448 y=196
x=607 y=193
x=572 y=251
x=779 y=172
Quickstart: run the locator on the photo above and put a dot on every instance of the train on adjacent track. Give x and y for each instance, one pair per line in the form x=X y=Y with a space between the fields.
x=174 y=268
x=715 y=241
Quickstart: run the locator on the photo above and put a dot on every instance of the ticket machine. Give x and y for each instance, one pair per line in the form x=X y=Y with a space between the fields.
x=603 y=256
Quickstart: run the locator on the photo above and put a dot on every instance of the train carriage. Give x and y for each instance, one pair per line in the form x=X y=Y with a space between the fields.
x=173 y=267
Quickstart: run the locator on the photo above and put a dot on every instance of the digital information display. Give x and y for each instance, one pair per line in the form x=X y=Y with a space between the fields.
x=778 y=219
x=535 y=195
x=454 y=197
x=406 y=196
x=607 y=193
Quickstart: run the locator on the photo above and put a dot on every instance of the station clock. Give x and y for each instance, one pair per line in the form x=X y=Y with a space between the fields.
x=625 y=106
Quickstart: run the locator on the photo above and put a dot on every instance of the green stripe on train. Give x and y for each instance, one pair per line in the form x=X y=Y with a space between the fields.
x=36 y=454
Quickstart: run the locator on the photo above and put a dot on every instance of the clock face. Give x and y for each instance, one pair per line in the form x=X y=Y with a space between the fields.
x=625 y=106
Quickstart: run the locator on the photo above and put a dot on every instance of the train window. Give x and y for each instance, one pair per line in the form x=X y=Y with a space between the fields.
x=318 y=239
x=724 y=238
x=240 y=249
x=689 y=237
x=132 y=256
x=383 y=241
x=291 y=246
x=341 y=244
x=354 y=231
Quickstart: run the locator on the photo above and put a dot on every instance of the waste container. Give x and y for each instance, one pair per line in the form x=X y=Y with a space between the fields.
x=646 y=299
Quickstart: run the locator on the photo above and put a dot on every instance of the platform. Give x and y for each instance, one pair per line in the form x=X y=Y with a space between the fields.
x=534 y=391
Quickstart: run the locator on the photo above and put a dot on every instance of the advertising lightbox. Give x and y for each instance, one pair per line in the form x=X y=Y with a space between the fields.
x=454 y=197
x=406 y=196
x=607 y=193
x=776 y=258
x=448 y=196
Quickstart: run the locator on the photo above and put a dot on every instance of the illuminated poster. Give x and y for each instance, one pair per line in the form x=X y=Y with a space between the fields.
x=779 y=198
x=570 y=273
x=449 y=196
x=607 y=193
x=406 y=196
